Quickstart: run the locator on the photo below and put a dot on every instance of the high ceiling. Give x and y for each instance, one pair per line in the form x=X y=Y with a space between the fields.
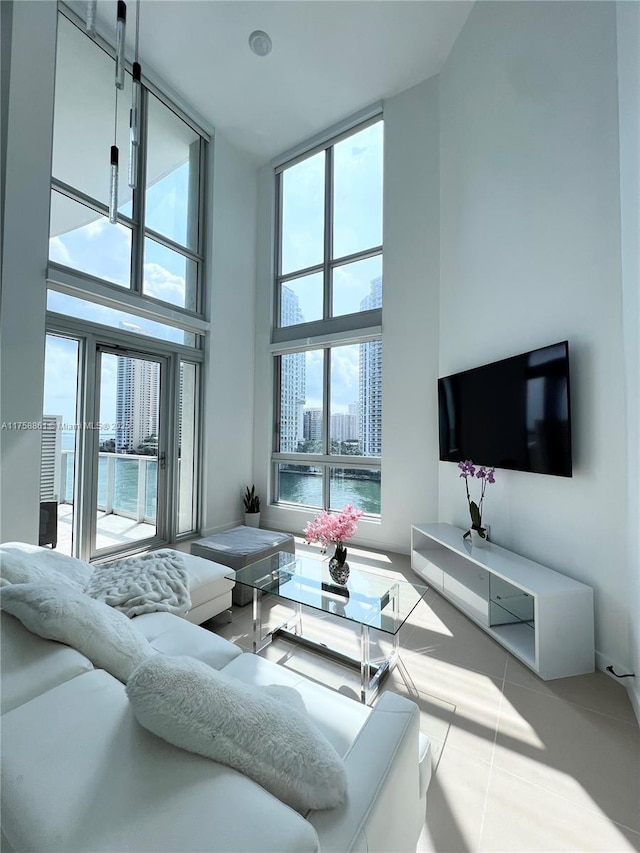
x=330 y=58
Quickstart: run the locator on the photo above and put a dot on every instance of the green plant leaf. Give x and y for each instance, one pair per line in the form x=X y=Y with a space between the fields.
x=475 y=515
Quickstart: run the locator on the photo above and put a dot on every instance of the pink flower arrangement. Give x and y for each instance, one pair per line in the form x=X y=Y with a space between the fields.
x=327 y=527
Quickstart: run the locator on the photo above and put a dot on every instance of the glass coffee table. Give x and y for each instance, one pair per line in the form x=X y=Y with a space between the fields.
x=367 y=599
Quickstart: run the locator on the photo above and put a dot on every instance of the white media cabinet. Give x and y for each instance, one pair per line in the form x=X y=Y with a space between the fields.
x=542 y=617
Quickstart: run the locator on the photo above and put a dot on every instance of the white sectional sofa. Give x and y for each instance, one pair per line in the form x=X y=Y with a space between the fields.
x=79 y=773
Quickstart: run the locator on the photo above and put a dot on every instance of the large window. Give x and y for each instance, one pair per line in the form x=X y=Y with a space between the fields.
x=156 y=248
x=125 y=300
x=328 y=400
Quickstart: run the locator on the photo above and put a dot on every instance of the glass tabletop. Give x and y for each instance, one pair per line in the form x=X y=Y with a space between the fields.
x=367 y=598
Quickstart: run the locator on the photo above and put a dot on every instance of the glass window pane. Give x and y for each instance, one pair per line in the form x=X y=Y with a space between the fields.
x=303 y=214
x=357 y=486
x=300 y=484
x=57 y=477
x=173 y=176
x=300 y=392
x=370 y=398
x=187 y=448
x=357 y=192
x=83 y=127
x=129 y=418
x=85 y=310
x=344 y=406
x=169 y=276
x=86 y=241
x=357 y=286
x=301 y=300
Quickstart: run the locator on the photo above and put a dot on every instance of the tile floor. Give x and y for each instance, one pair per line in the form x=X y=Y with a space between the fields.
x=519 y=764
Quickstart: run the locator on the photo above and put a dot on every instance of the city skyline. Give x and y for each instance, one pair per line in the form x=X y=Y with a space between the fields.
x=355 y=413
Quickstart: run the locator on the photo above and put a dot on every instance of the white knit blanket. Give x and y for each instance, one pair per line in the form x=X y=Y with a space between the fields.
x=154 y=581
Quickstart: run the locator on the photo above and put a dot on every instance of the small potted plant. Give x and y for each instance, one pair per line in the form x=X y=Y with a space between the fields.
x=251 y=507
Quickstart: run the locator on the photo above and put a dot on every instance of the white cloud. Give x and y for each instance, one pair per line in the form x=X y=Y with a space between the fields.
x=95 y=228
x=162 y=284
x=59 y=253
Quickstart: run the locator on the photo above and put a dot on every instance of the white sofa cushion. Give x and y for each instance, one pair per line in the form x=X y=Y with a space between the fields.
x=201 y=710
x=32 y=665
x=22 y=563
x=172 y=635
x=80 y=774
x=96 y=630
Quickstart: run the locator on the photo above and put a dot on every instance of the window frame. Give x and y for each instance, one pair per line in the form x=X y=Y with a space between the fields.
x=325 y=334
x=342 y=323
x=133 y=300
x=59 y=274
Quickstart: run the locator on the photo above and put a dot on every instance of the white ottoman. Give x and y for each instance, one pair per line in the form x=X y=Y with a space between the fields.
x=209 y=588
x=240 y=546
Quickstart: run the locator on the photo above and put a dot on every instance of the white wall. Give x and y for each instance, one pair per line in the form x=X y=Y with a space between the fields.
x=628 y=20
x=228 y=426
x=25 y=247
x=410 y=325
x=530 y=254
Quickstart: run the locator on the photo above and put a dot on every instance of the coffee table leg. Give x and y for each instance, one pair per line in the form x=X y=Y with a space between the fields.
x=257 y=620
x=365 y=664
x=298 y=627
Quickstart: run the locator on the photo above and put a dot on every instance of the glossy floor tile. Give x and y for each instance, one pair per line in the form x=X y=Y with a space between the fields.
x=519 y=764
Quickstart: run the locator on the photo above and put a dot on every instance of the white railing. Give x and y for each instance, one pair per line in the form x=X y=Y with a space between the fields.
x=127 y=494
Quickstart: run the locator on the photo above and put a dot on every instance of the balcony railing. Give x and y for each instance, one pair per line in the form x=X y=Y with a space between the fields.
x=127 y=484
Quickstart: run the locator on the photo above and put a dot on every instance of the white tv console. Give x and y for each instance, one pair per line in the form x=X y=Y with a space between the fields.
x=542 y=617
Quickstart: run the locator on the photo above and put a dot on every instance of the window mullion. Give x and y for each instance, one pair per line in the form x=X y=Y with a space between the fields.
x=277 y=260
x=328 y=233
x=326 y=425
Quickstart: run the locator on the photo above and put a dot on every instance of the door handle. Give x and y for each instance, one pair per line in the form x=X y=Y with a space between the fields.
x=163 y=461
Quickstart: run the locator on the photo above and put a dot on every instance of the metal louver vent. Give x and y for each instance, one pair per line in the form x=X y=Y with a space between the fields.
x=51 y=457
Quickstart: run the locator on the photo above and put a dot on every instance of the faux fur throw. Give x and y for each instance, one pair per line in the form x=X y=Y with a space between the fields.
x=154 y=581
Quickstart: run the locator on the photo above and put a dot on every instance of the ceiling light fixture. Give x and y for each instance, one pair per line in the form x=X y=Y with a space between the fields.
x=136 y=107
x=121 y=26
x=121 y=23
x=260 y=43
x=92 y=6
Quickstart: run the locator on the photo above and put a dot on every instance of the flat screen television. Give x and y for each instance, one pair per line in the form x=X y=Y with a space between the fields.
x=513 y=413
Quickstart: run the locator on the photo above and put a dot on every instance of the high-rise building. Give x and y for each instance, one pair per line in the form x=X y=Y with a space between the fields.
x=344 y=427
x=370 y=385
x=312 y=420
x=293 y=380
x=137 y=400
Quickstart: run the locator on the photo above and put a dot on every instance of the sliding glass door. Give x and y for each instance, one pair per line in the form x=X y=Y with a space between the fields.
x=130 y=451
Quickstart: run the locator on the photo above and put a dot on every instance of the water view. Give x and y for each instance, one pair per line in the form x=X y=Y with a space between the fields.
x=305 y=487
x=298 y=487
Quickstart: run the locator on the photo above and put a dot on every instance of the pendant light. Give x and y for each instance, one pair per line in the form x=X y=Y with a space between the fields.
x=92 y=7
x=121 y=26
x=115 y=156
x=134 y=113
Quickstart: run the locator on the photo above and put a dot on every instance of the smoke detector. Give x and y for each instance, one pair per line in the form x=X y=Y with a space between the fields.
x=260 y=43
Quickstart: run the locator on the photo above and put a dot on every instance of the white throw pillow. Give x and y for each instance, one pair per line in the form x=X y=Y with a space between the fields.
x=96 y=630
x=22 y=563
x=200 y=709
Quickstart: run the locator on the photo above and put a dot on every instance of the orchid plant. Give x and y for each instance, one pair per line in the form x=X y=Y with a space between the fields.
x=487 y=475
x=327 y=528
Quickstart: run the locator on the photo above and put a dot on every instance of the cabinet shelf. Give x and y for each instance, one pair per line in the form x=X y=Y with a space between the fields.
x=543 y=617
